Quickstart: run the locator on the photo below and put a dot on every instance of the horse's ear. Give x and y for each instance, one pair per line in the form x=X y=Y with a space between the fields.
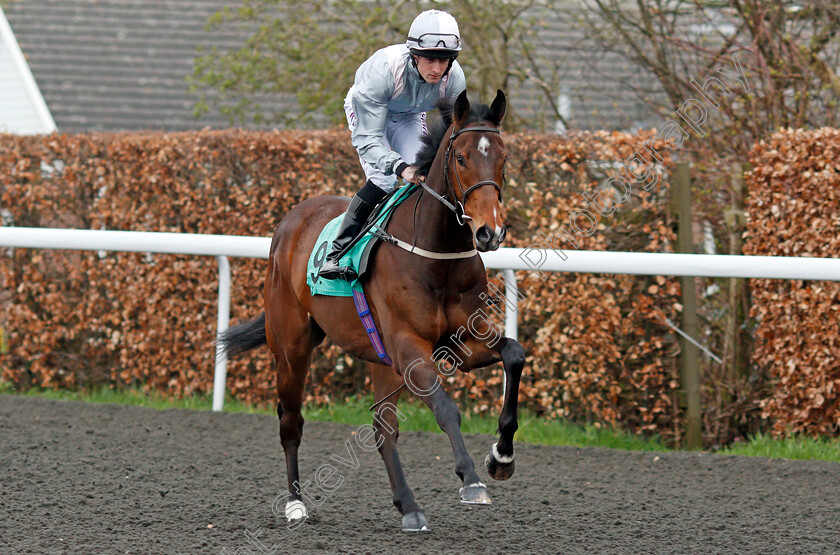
x=497 y=108
x=462 y=109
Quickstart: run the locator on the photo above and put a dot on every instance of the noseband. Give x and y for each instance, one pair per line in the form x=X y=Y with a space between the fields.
x=458 y=206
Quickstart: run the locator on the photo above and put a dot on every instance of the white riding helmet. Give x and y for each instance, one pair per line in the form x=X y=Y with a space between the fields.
x=434 y=34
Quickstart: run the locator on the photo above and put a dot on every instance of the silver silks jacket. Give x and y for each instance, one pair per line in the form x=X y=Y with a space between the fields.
x=387 y=87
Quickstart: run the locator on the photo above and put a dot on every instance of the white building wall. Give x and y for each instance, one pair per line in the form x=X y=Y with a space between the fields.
x=22 y=107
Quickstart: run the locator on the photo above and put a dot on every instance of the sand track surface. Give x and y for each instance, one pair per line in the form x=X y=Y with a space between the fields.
x=85 y=478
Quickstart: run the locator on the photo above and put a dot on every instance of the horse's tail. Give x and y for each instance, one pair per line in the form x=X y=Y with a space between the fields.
x=244 y=336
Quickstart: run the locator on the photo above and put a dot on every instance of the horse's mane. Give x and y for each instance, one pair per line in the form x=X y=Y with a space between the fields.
x=437 y=130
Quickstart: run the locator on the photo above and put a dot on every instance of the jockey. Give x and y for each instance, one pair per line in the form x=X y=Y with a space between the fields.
x=385 y=111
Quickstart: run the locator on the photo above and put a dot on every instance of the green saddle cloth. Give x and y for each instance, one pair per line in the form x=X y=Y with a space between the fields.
x=356 y=257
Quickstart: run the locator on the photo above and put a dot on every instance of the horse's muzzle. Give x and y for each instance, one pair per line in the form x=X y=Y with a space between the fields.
x=487 y=239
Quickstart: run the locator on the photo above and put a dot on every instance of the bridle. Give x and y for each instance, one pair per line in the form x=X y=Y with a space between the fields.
x=458 y=206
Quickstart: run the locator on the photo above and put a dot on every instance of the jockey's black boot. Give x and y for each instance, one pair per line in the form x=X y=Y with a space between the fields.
x=357 y=214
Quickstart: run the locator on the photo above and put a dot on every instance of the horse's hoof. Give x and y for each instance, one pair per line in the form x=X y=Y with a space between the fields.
x=475 y=494
x=499 y=466
x=415 y=522
x=295 y=510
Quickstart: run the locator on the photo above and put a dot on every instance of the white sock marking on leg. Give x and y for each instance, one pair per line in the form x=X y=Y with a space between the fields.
x=504 y=459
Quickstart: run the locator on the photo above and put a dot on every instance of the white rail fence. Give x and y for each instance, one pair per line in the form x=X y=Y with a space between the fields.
x=507 y=259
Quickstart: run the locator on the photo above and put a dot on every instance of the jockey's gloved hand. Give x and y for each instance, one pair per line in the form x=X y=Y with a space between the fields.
x=410 y=175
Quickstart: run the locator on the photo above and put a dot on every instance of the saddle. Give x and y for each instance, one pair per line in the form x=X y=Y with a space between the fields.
x=359 y=255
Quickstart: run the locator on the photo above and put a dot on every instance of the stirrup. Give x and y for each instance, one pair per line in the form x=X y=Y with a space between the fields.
x=331 y=270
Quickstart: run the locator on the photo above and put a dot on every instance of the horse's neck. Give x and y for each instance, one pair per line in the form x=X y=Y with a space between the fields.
x=437 y=229
x=431 y=225
x=437 y=225
x=426 y=223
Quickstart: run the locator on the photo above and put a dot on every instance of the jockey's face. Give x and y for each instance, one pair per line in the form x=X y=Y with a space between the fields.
x=432 y=69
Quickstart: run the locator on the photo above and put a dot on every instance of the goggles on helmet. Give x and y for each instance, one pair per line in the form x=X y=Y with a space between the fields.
x=436 y=41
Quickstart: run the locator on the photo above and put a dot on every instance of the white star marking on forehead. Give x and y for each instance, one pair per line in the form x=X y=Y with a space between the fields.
x=483 y=146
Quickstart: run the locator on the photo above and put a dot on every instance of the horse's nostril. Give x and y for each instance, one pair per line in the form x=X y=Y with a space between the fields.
x=483 y=234
x=503 y=234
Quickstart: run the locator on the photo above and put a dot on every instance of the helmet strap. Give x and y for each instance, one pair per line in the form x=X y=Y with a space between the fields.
x=445 y=73
x=414 y=63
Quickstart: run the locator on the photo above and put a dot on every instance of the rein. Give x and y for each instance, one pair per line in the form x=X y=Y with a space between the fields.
x=374 y=229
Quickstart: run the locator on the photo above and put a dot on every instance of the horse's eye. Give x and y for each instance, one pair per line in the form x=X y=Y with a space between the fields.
x=460 y=160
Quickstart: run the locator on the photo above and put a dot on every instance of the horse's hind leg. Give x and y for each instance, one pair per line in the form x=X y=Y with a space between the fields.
x=292 y=339
x=387 y=386
x=290 y=384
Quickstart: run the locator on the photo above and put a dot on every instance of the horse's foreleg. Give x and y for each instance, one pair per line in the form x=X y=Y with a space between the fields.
x=421 y=378
x=386 y=423
x=499 y=461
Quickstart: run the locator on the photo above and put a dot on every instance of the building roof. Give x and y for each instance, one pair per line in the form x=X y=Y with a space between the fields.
x=22 y=108
x=601 y=89
x=114 y=65
x=117 y=65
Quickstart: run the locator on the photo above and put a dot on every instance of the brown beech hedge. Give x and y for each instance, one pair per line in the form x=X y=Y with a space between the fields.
x=794 y=210
x=598 y=347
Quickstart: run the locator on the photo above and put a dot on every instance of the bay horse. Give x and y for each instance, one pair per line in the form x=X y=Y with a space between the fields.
x=422 y=306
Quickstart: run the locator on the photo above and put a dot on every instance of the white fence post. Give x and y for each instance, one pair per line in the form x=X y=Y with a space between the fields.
x=511 y=305
x=220 y=374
